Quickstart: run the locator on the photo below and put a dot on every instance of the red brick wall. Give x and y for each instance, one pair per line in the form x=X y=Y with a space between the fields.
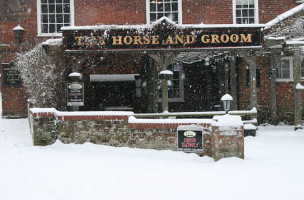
x=91 y=12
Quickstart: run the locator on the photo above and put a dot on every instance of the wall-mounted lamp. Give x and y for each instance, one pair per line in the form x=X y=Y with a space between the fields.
x=165 y=75
x=207 y=61
x=226 y=99
x=18 y=31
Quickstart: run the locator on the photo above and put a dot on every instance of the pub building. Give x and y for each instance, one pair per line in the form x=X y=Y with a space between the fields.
x=160 y=55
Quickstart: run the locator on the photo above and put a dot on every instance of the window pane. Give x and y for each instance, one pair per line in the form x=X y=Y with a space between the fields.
x=153 y=17
x=52 y=18
x=167 y=7
x=251 y=13
x=59 y=18
x=152 y=7
x=51 y=1
x=286 y=74
x=45 y=19
x=58 y=1
x=66 y=8
x=44 y=9
x=66 y=1
x=238 y=20
x=245 y=13
x=52 y=28
x=160 y=7
x=43 y=1
x=59 y=27
x=238 y=13
x=175 y=17
x=174 y=7
x=66 y=18
x=58 y=8
x=45 y=28
x=51 y=8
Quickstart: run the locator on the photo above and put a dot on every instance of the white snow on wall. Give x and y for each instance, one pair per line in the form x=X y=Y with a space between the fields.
x=134 y=120
x=112 y=77
x=53 y=42
x=227 y=121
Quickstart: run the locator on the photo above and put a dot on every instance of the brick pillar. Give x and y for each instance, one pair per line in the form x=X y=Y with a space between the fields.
x=227 y=137
x=43 y=127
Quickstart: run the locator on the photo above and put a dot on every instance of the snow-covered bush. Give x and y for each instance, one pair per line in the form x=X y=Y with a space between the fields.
x=43 y=76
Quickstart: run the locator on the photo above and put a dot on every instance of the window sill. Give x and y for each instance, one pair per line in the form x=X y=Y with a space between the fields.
x=49 y=35
x=176 y=100
x=284 y=80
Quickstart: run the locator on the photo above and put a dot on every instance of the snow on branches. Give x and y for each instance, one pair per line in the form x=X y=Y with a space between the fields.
x=42 y=75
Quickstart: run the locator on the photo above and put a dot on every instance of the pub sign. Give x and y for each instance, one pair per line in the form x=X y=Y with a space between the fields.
x=75 y=94
x=190 y=139
x=164 y=35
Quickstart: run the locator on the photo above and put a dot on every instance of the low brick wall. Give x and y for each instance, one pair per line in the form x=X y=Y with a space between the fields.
x=121 y=129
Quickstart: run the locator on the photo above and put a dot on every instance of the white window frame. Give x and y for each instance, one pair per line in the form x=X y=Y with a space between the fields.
x=39 y=29
x=256 y=11
x=180 y=12
x=290 y=79
x=302 y=69
x=181 y=87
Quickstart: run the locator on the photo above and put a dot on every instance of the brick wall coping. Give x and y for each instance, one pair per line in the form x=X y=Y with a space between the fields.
x=133 y=120
x=225 y=122
x=79 y=115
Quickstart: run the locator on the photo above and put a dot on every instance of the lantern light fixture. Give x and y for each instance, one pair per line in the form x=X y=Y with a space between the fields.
x=226 y=99
x=18 y=32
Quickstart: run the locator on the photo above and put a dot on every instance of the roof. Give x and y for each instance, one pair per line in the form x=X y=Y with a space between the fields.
x=285 y=15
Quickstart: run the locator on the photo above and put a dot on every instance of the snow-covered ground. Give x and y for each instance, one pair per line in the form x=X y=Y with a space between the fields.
x=273 y=169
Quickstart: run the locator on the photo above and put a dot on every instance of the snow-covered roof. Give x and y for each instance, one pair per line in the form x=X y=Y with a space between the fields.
x=284 y=16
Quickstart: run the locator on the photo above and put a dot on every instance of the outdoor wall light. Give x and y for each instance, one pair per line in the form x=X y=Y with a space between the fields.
x=207 y=61
x=18 y=31
x=227 y=99
x=166 y=75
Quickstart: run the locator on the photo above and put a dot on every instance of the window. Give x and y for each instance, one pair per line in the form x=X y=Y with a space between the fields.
x=175 y=85
x=245 y=12
x=54 y=14
x=156 y=9
x=302 y=69
x=285 y=70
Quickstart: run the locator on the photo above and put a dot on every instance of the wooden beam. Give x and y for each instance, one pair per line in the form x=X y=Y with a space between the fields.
x=273 y=89
x=297 y=93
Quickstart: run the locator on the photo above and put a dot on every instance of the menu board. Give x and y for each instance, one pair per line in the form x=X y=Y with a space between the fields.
x=11 y=76
x=75 y=94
